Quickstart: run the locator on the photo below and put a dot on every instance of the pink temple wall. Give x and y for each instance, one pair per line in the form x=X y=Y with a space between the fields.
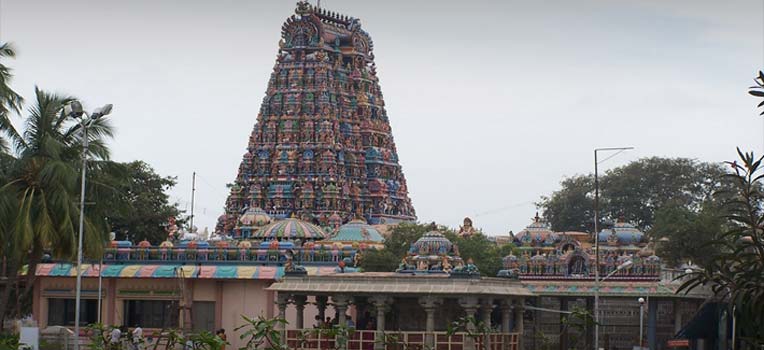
x=232 y=299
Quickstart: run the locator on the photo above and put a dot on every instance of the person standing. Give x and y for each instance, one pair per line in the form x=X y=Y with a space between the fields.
x=221 y=334
x=114 y=338
x=137 y=338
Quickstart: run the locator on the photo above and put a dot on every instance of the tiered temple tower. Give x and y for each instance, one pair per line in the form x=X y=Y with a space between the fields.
x=322 y=143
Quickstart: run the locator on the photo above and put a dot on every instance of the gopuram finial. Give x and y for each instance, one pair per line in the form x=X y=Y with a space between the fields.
x=303 y=8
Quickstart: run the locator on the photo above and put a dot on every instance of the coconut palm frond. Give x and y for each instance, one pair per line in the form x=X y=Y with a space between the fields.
x=10 y=101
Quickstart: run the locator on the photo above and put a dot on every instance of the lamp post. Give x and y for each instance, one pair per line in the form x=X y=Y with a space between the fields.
x=74 y=109
x=641 y=320
x=623 y=265
x=100 y=288
x=597 y=242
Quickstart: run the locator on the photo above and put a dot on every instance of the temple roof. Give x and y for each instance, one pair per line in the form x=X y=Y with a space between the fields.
x=431 y=243
x=622 y=233
x=393 y=283
x=291 y=229
x=539 y=232
x=357 y=231
x=611 y=288
x=169 y=271
x=254 y=217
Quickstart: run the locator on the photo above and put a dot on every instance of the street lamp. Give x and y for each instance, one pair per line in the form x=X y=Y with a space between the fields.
x=641 y=320
x=597 y=241
x=74 y=109
x=623 y=265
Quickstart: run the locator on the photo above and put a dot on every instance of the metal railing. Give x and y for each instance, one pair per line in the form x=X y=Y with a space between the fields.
x=316 y=339
x=62 y=338
x=648 y=271
x=159 y=255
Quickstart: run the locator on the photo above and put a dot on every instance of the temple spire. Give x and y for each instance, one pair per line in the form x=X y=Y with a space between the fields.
x=322 y=144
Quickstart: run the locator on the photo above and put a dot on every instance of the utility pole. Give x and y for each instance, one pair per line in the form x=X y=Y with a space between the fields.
x=193 y=192
x=597 y=242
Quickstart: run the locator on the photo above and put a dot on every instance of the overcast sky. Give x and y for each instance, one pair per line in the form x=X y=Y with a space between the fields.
x=492 y=103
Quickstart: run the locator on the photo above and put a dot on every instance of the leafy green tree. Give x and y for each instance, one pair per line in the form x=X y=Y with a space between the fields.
x=472 y=328
x=380 y=261
x=403 y=235
x=40 y=194
x=205 y=340
x=736 y=271
x=397 y=246
x=683 y=234
x=579 y=321
x=635 y=191
x=486 y=255
x=147 y=204
x=262 y=333
x=572 y=207
x=638 y=189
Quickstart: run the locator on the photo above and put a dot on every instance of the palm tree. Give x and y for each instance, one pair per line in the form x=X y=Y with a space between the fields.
x=40 y=196
x=10 y=101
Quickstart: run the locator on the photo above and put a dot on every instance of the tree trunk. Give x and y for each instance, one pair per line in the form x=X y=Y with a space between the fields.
x=6 y=294
x=31 y=277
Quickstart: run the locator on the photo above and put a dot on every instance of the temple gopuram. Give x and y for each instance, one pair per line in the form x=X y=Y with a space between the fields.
x=322 y=143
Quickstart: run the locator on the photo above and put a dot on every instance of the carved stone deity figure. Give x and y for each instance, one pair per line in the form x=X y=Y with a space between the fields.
x=466 y=230
x=445 y=264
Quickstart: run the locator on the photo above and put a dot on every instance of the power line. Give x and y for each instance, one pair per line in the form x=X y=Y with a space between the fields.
x=611 y=156
x=497 y=210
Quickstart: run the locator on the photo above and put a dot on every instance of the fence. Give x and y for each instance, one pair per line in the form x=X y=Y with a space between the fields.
x=317 y=339
x=308 y=256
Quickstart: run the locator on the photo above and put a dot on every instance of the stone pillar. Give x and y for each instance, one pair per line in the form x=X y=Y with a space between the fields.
x=589 y=329
x=519 y=327
x=470 y=306
x=341 y=306
x=486 y=308
x=219 y=304
x=111 y=297
x=652 y=320
x=321 y=305
x=299 y=303
x=506 y=312
x=677 y=317
x=281 y=301
x=563 y=330
x=722 y=333
x=429 y=304
x=380 y=304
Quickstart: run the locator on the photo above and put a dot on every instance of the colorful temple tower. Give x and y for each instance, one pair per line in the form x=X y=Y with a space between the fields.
x=322 y=143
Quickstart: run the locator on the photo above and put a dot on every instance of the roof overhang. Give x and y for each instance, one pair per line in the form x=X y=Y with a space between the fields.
x=397 y=284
